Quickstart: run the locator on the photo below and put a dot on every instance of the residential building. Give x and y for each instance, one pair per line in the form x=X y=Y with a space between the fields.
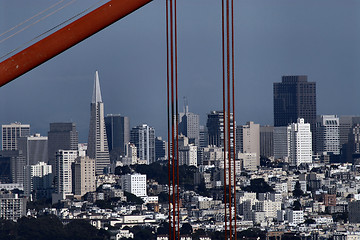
x=97 y=143
x=83 y=176
x=248 y=139
x=12 y=207
x=38 y=180
x=135 y=184
x=63 y=171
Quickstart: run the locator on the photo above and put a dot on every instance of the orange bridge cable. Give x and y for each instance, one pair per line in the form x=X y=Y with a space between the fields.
x=224 y=148
x=66 y=37
x=37 y=21
x=228 y=114
x=168 y=114
x=27 y=20
x=172 y=113
x=177 y=118
x=233 y=108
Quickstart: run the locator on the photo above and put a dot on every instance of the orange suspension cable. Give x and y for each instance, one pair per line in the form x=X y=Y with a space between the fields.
x=177 y=120
x=233 y=109
x=168 y=114
x=224 y=120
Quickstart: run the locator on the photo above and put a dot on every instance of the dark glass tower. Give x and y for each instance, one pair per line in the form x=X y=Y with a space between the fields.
x=295 y=98
x=118 y=133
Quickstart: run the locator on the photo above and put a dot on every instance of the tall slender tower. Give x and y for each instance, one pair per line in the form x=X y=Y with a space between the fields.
x=97 y=143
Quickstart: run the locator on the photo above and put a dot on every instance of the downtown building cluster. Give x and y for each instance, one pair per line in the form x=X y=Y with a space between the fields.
x=297 y=178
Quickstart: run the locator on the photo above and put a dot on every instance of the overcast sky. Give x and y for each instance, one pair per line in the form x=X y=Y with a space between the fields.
x=318 y=38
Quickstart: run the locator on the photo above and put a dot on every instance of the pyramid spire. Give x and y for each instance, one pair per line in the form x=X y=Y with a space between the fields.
x=96 y=91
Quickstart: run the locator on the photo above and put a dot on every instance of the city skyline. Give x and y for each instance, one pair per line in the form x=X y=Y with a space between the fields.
x=310 y=42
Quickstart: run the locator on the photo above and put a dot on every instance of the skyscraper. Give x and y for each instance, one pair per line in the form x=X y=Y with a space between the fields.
x=117 y=132
x=61 y=136
x=327 y=140
x=11 y=133
x=83 y=175
x=215 y=126
x=32 y=149
x=97 y=143
x=295 y=98
x=189 y=125
x=267 y=141
x=143 y=137
x=300 y=143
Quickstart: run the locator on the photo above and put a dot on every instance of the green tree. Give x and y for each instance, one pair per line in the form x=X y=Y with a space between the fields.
x=186 y=229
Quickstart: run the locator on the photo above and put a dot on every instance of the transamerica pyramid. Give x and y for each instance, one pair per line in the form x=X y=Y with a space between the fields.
x=97 y=142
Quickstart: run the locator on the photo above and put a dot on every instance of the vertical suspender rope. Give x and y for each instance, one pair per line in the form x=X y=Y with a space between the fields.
x=228 y=114
x=173 y=121
x=177 y=120
x=233 y=109
x=224 y=120
x=168 y=115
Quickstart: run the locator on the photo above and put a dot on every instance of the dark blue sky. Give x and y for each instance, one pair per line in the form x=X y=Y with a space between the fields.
x=318 y=38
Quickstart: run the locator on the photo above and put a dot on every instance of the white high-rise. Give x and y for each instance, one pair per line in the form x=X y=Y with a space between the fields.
x=248 y=140
x=300 y=143
x=97 y=142
x=327 y=130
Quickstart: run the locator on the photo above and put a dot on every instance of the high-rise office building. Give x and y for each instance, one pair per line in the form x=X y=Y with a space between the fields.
x=143 y=137
x=83 y=176
x=187 y=152
x=11 y=133
x=97 y=144
x=248 y=139
x=32 y=149
x=295 y=98
x=189 y=125
x=61 y=136
x=300 y=143
x=327 y=130
x=267 y=141
x=117 y=132
x=8 y=166
x=160 y=149
x=203 y=137
x=215 y=126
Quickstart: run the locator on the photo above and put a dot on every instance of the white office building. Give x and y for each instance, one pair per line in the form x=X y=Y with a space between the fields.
x=300 y=143
x=11 y=133
x=327 y=131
